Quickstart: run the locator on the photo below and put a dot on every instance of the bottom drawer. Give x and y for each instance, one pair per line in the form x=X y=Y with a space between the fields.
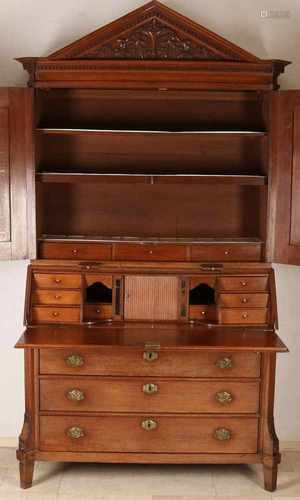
x=143 y=433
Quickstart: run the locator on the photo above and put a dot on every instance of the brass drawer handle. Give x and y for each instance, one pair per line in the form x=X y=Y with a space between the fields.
x=222 y=434
x=244 y=300
x=57 y=297
x=75 y=432
x=150 y=388
x=244 y=283
x=149 y=424
x=245 y=316
x=55 y=314
x=57 y=280
x=224 y=397
x=98 y=311
x=224 y=363
x=75 y=360
x=150 y=356
x=75 y=251
x=226 y=252
x=75 y=395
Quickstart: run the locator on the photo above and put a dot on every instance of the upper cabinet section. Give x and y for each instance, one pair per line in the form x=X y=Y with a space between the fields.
x=16 y=174
x=154 y=48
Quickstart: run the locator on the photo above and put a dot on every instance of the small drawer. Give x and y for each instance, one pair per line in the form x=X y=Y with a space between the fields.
x=243 y=283
x=55 y=314
x=56 y=297
x=150 y=252
x=243 y=316
x=148 y=434
x=94 y=312
x=203 y=313
x=75 y=251
x=141 y=395
x=44 y=280
x=226 y=252
x=136 y=362
x=243 y=300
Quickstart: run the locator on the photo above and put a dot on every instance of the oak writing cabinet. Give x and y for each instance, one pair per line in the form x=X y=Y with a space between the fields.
x=162 y=179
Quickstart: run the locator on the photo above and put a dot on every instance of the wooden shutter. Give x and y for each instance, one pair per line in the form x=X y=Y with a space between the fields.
x=17 y=235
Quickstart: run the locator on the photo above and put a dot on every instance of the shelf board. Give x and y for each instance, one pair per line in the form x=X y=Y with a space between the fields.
x=80 y=131
x=142 y=239
x=108 y=178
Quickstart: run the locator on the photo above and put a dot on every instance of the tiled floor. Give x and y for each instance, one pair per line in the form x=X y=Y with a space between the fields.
x=140 y=482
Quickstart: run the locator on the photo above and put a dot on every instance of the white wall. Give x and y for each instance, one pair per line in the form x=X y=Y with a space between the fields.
x=30 y=28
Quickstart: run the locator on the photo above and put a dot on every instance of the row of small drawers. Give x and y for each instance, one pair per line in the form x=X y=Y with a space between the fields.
x=220 y=252
x=226 y=283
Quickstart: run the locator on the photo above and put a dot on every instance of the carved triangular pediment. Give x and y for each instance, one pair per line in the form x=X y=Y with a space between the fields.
x=153 y=32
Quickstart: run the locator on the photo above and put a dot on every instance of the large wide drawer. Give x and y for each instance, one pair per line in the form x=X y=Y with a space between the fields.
x=57 y=280
x=135 y=362
x=75 y=251
x=150 y=252
x=164 y=434
x=243 y=283
x=110 y=394
x=226 y=252
x=54 y=314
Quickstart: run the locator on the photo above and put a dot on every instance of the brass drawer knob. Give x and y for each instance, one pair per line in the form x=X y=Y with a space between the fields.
x=244 y=283
x=75 y=395
x=75 y=432
x=57 y=297
x=224 y=397
x=55 y=314
x=245 y=315
x=224 y=363
x=226 y=252
x=57 y=280
x=149 y=424
x=75 y=251
x=98 y=311
x=222 y=434
x=245 y=300
x=150 y=356
x=150 y=388
x=75 y=360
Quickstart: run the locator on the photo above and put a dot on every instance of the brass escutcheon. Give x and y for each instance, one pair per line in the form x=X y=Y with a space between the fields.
x=224 y=363
x=75 y=432
x=150 y=388
x=222 y=434
x=224 y=397
x=75 y=360
x=150 y=356
x=149 y=424
x=75 y=395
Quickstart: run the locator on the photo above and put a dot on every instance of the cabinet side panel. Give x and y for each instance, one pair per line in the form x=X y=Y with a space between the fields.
x=295 y=205
x=4 y=176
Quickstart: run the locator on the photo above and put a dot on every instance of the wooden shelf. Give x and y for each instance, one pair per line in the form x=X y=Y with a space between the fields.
x=242 y=180
x=129 y=239
x=231 y=133
x=137 y=335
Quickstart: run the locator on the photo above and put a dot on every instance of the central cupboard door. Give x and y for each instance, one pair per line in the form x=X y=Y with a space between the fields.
x=151 y=298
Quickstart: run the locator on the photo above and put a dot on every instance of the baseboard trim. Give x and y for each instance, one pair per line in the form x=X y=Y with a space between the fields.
x=8 y=442
x=11 y=442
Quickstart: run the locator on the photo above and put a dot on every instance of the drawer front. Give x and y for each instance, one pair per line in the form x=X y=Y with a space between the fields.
x=96 y=312
x=75 y=251
x=55 y=314
x=43 y=280
x=165 y=434
x=243 y=300
x=243 y=283
x=150 y=252
x=131 y=362
x=243 y=316
x=151 y=394
x=226 y=253
x=60 y=297
x=203 y=313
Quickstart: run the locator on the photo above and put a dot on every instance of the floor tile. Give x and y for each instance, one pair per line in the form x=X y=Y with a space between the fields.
x=294 y=457
x=46 y=482
x=135 y=480
x=239 y=481
x=288 y=485
x=179 y=497
x=8 y=457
